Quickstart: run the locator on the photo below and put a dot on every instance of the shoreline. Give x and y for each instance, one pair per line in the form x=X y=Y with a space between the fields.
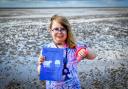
x=66 y=12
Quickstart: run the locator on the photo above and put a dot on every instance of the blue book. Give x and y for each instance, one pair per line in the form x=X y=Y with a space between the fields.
x=51 y=68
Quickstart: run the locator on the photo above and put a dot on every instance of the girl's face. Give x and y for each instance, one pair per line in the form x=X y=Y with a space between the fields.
x=58 y=32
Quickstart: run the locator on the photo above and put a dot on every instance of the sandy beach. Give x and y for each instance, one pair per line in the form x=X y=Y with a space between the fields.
x=24 y=31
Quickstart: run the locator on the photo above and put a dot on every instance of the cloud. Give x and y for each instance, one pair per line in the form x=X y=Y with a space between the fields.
x=113 y=0
x=64 y=3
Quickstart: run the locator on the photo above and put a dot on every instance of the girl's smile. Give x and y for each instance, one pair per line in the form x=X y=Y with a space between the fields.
x=58 y=33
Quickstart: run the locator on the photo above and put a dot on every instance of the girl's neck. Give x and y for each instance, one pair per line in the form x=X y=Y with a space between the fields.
x=60 y=45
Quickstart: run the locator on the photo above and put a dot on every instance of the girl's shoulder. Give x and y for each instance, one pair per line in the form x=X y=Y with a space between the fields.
x=48 y=45
x=80 y=44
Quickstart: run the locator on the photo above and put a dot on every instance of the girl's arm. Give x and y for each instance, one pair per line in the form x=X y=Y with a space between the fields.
x=40 y=61
x=86 y=53
x=90 y=55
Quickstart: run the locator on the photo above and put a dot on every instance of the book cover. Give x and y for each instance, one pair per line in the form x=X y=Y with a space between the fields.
x=51 y=68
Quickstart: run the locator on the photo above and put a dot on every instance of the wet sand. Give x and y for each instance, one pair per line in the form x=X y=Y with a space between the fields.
x=23 y=31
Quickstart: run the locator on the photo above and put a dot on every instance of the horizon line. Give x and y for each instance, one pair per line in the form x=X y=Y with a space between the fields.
x=54 y=7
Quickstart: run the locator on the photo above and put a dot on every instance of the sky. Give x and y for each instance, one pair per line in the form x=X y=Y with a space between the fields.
x=62 y=3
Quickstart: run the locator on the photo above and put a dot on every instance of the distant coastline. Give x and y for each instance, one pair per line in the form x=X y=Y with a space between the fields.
x=58 y=7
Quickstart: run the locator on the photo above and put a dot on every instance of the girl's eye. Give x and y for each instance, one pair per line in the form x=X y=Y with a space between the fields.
x=62 y=29
x=59 y=29
x=56 y=29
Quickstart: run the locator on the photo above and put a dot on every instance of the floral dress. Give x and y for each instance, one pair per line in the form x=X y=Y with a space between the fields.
x=70 y=79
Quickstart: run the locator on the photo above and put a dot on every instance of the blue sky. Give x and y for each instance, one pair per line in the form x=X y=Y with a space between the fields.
x=63 y=3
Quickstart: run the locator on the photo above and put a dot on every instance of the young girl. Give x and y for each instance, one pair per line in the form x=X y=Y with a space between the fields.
x=62 y=36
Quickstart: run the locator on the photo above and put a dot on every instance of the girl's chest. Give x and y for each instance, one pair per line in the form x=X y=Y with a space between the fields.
x=70 y=55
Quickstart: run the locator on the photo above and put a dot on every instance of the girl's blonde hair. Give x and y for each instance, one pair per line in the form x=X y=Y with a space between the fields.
x=65 y=23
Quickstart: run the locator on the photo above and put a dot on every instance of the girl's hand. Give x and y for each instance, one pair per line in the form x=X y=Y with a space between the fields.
x=41 y=60
x=86 y=53
x=81 y=53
